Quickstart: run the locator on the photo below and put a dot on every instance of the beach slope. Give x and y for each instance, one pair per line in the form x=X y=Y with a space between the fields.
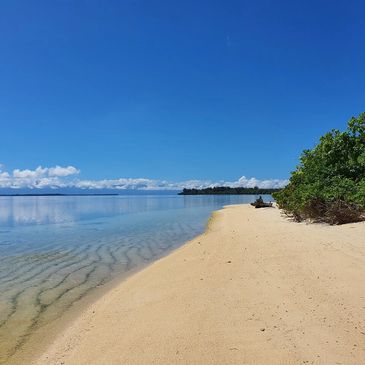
x=255 y=288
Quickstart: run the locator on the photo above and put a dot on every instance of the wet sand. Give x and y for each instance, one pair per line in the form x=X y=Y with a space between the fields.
x=255 y=288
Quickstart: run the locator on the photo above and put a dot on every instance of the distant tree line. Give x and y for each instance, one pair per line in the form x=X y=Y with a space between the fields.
x=226 y=190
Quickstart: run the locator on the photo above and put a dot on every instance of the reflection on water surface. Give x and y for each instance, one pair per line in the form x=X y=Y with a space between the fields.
x=55 y=250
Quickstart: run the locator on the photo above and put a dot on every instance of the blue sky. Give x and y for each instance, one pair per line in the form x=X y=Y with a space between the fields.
x=175 y=90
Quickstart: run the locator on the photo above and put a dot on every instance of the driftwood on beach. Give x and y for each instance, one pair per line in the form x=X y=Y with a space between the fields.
x=259 y=203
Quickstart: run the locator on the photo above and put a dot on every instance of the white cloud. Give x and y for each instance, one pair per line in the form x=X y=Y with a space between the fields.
x=252 y=182
x=63 y=171
x=38 y=172
x=5 y=180
x=52 y=177
x=64 y=177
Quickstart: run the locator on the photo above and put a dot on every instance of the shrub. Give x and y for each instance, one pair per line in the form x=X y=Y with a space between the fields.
x=329 y=183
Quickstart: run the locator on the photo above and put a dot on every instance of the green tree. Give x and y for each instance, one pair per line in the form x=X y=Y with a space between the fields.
x=329 y=183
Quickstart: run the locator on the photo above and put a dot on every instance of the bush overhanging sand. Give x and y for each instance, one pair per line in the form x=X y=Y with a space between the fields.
x=329 y=183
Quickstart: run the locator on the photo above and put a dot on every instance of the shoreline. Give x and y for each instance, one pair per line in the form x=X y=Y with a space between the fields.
x=254 y=288
x=36 y=344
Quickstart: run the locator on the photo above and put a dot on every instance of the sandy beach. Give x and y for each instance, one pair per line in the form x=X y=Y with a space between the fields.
x=255 y=288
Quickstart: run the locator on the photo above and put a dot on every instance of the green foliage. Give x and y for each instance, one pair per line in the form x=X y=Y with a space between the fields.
x=329 y=183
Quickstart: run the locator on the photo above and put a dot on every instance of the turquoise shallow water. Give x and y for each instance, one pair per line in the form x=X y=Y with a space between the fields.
x=56 y=250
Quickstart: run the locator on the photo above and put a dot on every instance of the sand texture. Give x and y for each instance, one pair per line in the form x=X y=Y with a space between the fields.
x=255 y=288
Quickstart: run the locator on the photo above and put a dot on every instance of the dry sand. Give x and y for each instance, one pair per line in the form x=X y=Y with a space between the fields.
x=255 y=288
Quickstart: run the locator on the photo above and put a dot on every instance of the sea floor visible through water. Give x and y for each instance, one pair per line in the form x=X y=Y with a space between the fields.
x=54 y=251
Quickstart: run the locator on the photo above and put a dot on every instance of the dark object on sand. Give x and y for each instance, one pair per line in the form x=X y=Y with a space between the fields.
x=259 y=203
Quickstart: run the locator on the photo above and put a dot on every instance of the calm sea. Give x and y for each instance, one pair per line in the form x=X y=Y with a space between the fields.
x=56 y=250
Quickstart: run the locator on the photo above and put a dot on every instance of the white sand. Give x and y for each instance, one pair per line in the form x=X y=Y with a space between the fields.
x=254 y=289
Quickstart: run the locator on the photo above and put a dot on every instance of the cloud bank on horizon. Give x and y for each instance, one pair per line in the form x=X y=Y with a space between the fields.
x=59 y=177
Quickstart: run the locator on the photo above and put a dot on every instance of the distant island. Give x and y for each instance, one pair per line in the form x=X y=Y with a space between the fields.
x=226 y=190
